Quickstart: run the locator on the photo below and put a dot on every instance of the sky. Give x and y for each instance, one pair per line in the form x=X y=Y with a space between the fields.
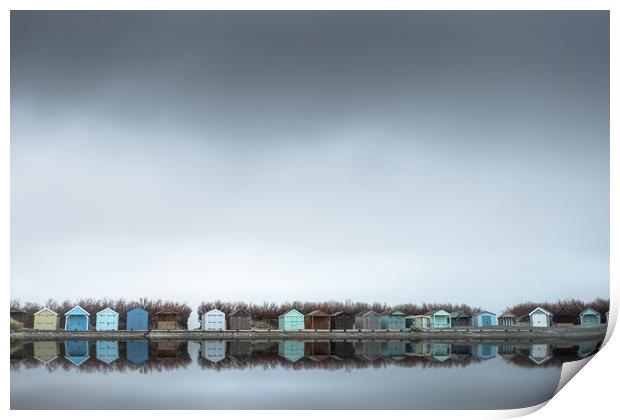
x=277 y=156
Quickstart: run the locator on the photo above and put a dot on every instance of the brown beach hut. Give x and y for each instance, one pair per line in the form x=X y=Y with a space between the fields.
x=507 y=319
x=24 y=318
x=167 y=319
x=316 y=320
x=565 y=317
x=239 y=319
x=341 y=321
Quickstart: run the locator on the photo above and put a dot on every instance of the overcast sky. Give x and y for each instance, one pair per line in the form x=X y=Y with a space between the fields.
x=392 y=157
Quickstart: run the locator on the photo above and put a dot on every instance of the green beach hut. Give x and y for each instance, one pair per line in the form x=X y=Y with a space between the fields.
x=291 y=320
x=440 y=318
x=393 y=320
x=589 y=317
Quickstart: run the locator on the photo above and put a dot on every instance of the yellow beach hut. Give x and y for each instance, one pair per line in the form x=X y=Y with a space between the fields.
x=46 y=320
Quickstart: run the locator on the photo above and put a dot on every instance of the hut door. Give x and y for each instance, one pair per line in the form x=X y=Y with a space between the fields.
x=486 y=320
x=76 y=323
x=539 y=320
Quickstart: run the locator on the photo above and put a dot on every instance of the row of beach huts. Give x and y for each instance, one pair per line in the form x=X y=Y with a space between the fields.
x=138 y=319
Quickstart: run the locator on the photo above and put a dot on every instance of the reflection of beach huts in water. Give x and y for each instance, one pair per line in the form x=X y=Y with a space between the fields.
x=371 y=321
x=540 y=318
x=369 y=350
x=240 y=319
x=167 y=349
x=46 y=351
x=291 y=350
x=137 y=351
x=240 y=350
x=317 y=350
x=107 y=320
x=167 y=319
x=507 y=319
x=460 y=319
x=441 y=351
x=214 y=320
x=107 y=351
x=316 y=320
x=586 y=349
x=342 y=349
x=439 y=318
x=137 y=319
x=418 y=348
x=213 y=351
x=77 y=319
x=46 y=320
x=484 y=350
x=394 y=348
x=589 y=317
x=393 y=320
x=484 y=319
x=341 y=321
x=77 y=351
x=540 y=353
x=291 y=320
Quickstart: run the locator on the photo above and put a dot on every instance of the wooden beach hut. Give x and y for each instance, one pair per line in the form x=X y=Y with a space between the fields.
x=137 y=319
x=317 y=350
x=421 y=321
x=341 y=321
x=107 y=351
x=393 y=320
x=460 y=319
x=291 y=320
x=77 y=319
x=439 y=318
x=77 y=351
x=540 y=318
x=22 y=317
x=589 y=317
x=137 y=351
x=167 y=319
x=484 y=319
x=214 y=320
x=316 y=320
x=342 y=349
x=565 y=317
x=46 y=320
x=371 y=321
x=507 y=319
x=291 y=350
x=46 y=351
x=107 y=320
x=394 y=349
x=240 y=350
x=167 y=349
x=239 y=319
x=213 y=350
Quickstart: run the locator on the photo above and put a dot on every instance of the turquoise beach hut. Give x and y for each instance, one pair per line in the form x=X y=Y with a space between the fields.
x=107 y=351
x=77 y=351
x=393 y=320
x=137 y=319
x=107 y=320
x=589 y=317
x=291 y=350
x=292 y=320
x=77 y=319
x=441 y=351
x=440 y=318
x=484 y=319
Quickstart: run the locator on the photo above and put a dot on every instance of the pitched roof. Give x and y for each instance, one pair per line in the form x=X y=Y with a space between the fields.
x=45 y=310
x=589 y=310
x=292 y=311
x=317 y=312
x=484 y=312
x=79 y=310
x=107 y=310
x=239 y=312
x=341 y=313
x=508 y=315
x=370 y=313
x=166 y=311
x=540 y=309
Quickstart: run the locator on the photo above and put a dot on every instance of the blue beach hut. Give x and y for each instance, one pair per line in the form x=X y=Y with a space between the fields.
x=137 y=320
x=107 y=351
x=77 y=319
x=484 y=351
x=393 y=320
x=138 y=351
x=484 y=319
x=589 y=317
x=292 y=320
x=107 y=320
x=76 y=351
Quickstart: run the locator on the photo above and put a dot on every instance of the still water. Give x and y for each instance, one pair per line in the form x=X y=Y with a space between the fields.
x=287 y=374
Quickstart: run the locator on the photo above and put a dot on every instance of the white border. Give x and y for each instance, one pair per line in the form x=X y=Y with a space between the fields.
x=590 y=396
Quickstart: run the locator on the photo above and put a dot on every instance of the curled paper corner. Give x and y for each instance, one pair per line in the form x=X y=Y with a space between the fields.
x=569 y=370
